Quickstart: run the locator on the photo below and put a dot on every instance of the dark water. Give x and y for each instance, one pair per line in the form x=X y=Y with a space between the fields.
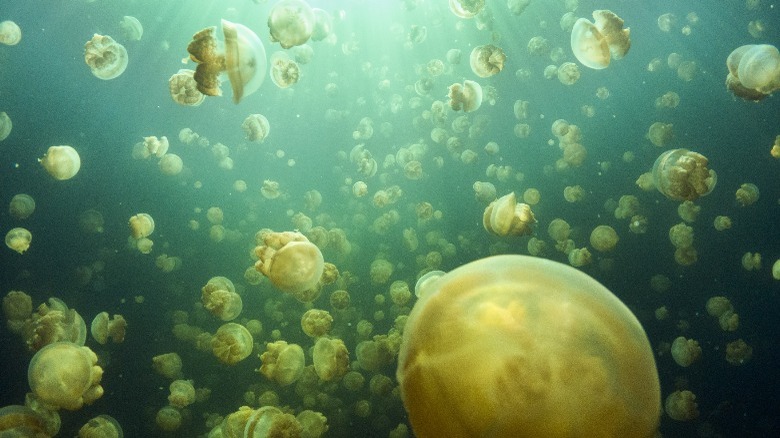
x=52 y=98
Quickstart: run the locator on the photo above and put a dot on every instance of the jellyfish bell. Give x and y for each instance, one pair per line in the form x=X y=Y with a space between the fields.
x=291 y=23
x=243 y=59
x=62 y=162
x=105 y=57
x=589 y=46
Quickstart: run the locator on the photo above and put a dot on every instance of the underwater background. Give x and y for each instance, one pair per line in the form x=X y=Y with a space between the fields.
x=368 y=68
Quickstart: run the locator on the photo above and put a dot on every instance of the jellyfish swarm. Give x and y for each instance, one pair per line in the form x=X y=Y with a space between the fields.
x=517 y=346
x=243 y=59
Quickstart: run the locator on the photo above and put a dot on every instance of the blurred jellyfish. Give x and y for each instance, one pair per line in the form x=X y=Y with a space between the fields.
x=131 y=28
x=754 y=71
x=681 y=174
x=5 y=125
x=291 y=23
x=10 y=34
x=256 y=127
x=18 y=239
x=105 y=57
x=487 y=60
x=284 y=70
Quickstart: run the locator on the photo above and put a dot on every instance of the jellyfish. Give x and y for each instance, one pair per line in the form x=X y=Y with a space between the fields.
x=105 y=57
x=22 y=206
x=168 y=418
x=141 y=225
x=466 y=8
x=54 y=322
x=17 y=309
x=220 y=298
x=660 y=134
x=282 y=362
x=5 y=125
x=568 y=73
x=754 y=71
x=256 y=127
x=594 y=44
x=10 y=33
x=290 y=261
x=517 y=346
x=331 y=359
x=62 y=162
x=505 y=217
x=316 y=322
x=243 y=59
x=604 y=238
x=681 y=175
x=487 y=60
x=232 y=343
x=184 y=88
x=103 y=328
x=102 y=426
x=291 y=23
x=182 y=393
x=168 y=365
x=21 y=421
x=323 y=25
x=685 y=351
x=747 y=194
x=18 y=239
x=284 y=70
x=270 y=421
x=466 y=97
x=65 y=375
x=681 y=406
x=131 y=28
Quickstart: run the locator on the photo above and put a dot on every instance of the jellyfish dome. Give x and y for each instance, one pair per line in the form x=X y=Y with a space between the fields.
x=754 y=71
x=105 y=57
x=518 y=346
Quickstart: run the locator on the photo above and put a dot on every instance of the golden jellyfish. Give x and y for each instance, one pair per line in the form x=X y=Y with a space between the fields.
x=738 y=352
x=747 y=194
x=220 y=298
x=22 y=206
x=18 y=239
x=102 y=426
x=339 y=299
x=685 y=351
x=751 y=261
x=594 y=44
x=331 y=359
x=103 y=328
x=487 y=60
x=243 y=58
x=5 y=125
x=688 y=211
x=54 y=322
x=270 y=189
x=10 y=33
x=754 y=71
x=291 y=23
x=232 y=343
x=270 y=421
x=316 y=322
x=62 y=162
x=170 y=164
x=22 y=421
x=182 y=393
x=604 y=238
x=256 y=127
x=282 y=362
x=323 y=25
x=290 y=261
x=466 y=97
x=215 y=215
x=284 y=70
x=168 y=418
x=168 y=365
x=466 y=8
x=65 y=375
x=131 y=28
x=573 y=194
x=400 y=293
x=505 y=217
x=105 y=57
x=559 y=230
x=660 y=134
x=775 y=271
x=495 y=326
x=681 y=406
x=568 y=73
x=484 y=192
x=681 y=175
x=17 y=308
x=184 y=89
x=579 y=257
x=380 y=271
x=141 y=225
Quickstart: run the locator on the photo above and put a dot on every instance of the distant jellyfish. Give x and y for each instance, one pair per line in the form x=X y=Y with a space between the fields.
x=141 y=225
x=284 y=70
x=22 y=206
x=291 y=23
x=184 y=89
x=62 y=162
x=506 y=217
x=323 y=25
x=5 y=125
x=105 y=57
x=466 y=97
x=131 y=28
x=170 y=164
x=10 y=34
x=18 y=239
x=290 y=261
x=487 y=60
x=595 y=44
x=243 y=58
x=102 y=328
x=256 y=127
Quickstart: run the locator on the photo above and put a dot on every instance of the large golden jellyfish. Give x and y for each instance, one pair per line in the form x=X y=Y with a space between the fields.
x=291 y=23
x=683 y=175
x=105 y=57
x=594 y=44
x=62 y=162
x=243 y=58
x=10 y=33
x=466 y=97
x=506 y=217
x=290 y=261
x=487 y=60
x=65 y=375
x=754 y=71
x=517 y=346
x=184 y=89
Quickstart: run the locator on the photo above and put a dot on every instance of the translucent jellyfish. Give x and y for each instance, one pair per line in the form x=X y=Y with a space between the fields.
x=290 y=261
x=168 y=365
x=548 y=338
x=516 y=7
x=487 y=60
x=231 y=343
x=316 y=322
x=568 y=73
x=323 y=25
x=282 y=362
x=738 y=352
x=331 y=359
x=466 y=8
x=105 y=57
x=102 y=426
x=18 y=239
x=131 y=28
x=681 y=406
x=17 y=308
x=751 y=261
x=754 y=71
x=681 y=174
x=594 y=44
x=670 y=99
x=256 y=127
x=62 y=162
x=168 y=418
x=270 y=189
x=184 y=89
x=65 y=375
x=688 y=211
x=291 y=23
x=243 y=59
x=170 y=164
x=722 y=223
x=182 y=393
x=10 y=33
x=579 y=257
x=141 y=225
x=666 y=21
x=22 y=206
x=660 y=134
x=747 y=194
x=270 y=421
x=103 y=328
x=559 y=230
x=685 y=351
x=5 y=125
x=21 y=421
x=220 y=298
x=505 y=217
x=466 y=97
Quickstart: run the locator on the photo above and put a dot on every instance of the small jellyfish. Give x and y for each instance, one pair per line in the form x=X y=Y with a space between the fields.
x=284 y=70
x=18 y=239
x=103 y=328
x=62 y=162
x=5 y=125
x=282 y=362
x=22 y=206
x=291 y=23
x=681 y=175
x=466 y=97
x=290 y=261
x=184 y=88
x=256 y=127
x=131 y=28
x=232 y=343
x=10 y=33
x=487 y=60
x=105 y=57
x=594 y=44
x=505 y=217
